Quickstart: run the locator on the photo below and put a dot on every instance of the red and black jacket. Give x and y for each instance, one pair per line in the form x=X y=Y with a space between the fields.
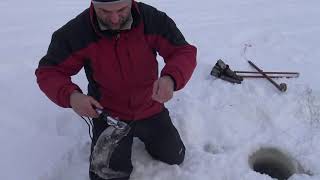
x=120 y=67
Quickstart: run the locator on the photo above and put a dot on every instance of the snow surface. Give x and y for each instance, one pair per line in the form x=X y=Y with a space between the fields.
x=221 y=124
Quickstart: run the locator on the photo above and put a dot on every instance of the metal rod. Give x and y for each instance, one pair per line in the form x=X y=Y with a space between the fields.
x=282 y=87
x=267 y=72
x=257 y=76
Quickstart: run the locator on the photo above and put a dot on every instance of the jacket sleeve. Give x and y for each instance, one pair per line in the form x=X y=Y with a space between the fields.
x=55 y=70
x=179 y=56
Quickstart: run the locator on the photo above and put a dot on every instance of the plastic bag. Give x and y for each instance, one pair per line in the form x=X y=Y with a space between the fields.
x=105 y=146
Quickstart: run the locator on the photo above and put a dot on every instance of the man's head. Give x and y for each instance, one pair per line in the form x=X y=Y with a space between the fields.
x=113 y=14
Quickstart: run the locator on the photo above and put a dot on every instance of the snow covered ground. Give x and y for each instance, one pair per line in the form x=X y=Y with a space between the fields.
x=221 y=124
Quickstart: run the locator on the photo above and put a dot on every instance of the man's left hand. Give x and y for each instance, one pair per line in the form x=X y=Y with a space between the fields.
x=163 y=89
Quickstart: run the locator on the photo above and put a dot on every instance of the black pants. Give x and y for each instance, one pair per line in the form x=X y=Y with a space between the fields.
x=161 y=139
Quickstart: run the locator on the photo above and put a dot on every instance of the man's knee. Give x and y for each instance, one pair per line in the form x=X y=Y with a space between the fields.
x=168 y=154
x=176 y=157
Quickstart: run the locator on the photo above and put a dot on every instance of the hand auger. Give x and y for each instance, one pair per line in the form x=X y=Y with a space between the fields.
x=222 y=70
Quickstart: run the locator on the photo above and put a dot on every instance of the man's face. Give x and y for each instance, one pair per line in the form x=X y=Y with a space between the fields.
x=114 y=15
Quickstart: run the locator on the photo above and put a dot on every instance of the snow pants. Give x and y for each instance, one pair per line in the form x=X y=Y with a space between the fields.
x=162 y=141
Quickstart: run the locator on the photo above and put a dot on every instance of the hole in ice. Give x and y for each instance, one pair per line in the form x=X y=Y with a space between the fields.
x=274 y=163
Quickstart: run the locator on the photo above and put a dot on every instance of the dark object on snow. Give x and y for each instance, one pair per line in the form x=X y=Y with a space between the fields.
x=282 y=86
x=222 y=70
x=105 y=146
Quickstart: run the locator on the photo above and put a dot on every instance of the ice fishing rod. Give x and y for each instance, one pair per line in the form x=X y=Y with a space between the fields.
x=282 y=86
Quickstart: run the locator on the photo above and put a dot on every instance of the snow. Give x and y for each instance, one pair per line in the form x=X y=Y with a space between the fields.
x=220 y=123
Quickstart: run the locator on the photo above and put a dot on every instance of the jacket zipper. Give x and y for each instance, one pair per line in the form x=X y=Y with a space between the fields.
x=117 y=37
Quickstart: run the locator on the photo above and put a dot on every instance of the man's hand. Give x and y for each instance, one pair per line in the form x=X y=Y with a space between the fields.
x=163 y=89
x=84 y=105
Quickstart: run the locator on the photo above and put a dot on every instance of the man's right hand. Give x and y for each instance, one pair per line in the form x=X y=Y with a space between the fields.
x=84 y=105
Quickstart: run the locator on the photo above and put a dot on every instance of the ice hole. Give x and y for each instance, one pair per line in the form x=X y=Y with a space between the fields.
x=274 y=163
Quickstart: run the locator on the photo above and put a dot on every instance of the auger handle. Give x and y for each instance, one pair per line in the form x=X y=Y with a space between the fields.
x=282 y=86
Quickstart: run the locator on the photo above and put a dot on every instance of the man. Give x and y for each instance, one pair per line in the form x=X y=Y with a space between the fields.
x=117 y=41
